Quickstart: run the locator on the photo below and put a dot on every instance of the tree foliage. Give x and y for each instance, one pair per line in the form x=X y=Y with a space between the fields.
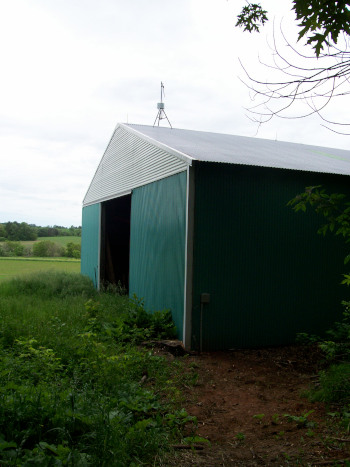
x=73 y=250
x=16 y=231
x=321 y=20
x=302 y=78
x=21 y=231
x=47 y=232
x=252 y=17
x=334 y=207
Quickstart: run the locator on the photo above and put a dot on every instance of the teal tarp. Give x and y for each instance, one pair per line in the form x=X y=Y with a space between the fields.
x=90 y=242
x=157 y=245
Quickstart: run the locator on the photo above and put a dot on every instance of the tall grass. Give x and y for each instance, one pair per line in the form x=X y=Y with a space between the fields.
x=73 y=389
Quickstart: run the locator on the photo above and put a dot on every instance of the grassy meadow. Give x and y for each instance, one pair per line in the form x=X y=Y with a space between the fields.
x=13 y=267
x=13 y=264
x=61 y=241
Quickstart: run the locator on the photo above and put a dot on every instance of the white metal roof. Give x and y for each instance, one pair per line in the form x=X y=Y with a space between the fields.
x=216 y=147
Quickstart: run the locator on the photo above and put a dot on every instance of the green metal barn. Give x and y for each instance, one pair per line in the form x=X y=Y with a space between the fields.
x=197 y=223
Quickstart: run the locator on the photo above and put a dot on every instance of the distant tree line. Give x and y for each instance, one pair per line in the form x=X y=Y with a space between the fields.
x=42 y=249
x=21 y=231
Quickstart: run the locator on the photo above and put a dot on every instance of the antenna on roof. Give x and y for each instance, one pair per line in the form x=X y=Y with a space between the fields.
x=161 y=115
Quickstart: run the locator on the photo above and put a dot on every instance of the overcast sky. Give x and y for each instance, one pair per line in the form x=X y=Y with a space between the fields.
x=72 y=69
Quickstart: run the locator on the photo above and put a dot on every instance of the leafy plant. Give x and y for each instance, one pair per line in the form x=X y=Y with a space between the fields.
x=301 y=420
x=139 y=325
x=259 y=416
x=275 y=419
x=334 y=384
x=240 y=436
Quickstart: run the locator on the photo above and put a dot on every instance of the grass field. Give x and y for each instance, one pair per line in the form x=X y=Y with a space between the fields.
x=62 y=241
x=14 y=267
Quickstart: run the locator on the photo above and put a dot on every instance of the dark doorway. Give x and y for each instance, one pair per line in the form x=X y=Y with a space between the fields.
x=115 y=241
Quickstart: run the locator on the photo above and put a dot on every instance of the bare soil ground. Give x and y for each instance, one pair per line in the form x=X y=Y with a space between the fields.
x=241 y=400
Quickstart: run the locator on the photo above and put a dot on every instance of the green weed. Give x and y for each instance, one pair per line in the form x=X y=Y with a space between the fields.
x=139 y=325
x=279 y=435
x=301 y=420
x=73 y=389
x=259 y=416
x=275 y=419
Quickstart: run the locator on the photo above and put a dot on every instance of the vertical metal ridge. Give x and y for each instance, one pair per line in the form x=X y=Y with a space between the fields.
x=188 y=287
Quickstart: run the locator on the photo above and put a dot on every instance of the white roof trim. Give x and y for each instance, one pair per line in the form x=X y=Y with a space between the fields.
x=107 y=198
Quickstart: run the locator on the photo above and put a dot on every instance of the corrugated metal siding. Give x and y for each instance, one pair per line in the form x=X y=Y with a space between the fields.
x=157 y=245
x=90 y=242
x=269 y=274
x=130 y=162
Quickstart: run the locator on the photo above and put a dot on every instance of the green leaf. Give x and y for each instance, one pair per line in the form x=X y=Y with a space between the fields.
x=251 y=17
x=346 y=280
x=7 y=445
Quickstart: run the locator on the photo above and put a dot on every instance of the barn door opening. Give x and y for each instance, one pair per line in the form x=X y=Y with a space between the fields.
x=115 y=241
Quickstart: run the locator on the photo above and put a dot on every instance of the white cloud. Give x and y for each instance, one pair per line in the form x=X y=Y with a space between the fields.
x=72 y=70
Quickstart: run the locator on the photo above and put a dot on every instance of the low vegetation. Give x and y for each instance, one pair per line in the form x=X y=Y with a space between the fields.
x=75 y=386
x=46 y=247
x=333 y=386
x=16 y=267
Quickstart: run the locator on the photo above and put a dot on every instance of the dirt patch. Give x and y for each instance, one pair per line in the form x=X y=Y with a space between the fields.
x=241 y=400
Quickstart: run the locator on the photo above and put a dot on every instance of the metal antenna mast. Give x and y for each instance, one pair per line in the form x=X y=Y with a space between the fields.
x=161 y=115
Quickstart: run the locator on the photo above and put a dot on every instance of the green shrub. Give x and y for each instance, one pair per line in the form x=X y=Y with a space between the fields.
x=334 y=385
x=9 y=248
x=47 y=249
x=73 y=250
x=139 y=325
x=334 y=380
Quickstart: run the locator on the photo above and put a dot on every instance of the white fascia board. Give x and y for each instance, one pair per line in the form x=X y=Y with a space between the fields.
x=107 y=198
x=185 y=157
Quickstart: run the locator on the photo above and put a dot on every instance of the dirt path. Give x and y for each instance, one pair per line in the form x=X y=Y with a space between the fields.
x=241 y=400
